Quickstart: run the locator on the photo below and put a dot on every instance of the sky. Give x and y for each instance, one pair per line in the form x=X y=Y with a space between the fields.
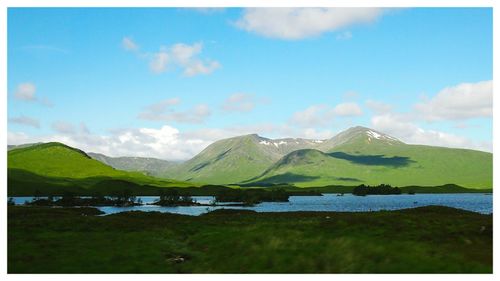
x=167 y=82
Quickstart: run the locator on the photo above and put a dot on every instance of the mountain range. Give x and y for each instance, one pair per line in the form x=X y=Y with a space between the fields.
x=356 y=156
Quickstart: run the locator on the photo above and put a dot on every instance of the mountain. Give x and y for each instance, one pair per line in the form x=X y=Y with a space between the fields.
x=237 y=159
x=58 y=167
x=361 y=155
x=57 y=160
x=359 y=136
x=150 y=166
x=356 y=156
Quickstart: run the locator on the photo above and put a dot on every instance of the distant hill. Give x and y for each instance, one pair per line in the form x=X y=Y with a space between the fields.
x=361 y=155
x=356 y=156
x=237 y=159
x=58 y=167
x=150 y=166
x=58 y=160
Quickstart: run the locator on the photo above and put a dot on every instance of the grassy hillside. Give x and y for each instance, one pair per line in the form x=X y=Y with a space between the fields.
x=58 y=160
x=226 y=161
x=149 y=166
x=355 y=156
x=57 y=167
x=237 y=159
x=362 y=161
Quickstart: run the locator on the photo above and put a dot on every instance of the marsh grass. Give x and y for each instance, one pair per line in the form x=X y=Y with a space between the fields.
x=421 y=240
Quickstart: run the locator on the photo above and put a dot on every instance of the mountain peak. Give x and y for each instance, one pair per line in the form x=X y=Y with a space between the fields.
x=364 y=134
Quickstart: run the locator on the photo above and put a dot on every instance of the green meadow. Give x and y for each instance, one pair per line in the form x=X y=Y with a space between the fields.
x=421 y=240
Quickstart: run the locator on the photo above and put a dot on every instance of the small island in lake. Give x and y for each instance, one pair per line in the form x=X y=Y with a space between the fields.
x=382 y=189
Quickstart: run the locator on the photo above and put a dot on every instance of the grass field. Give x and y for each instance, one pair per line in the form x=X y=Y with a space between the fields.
x=421 y=240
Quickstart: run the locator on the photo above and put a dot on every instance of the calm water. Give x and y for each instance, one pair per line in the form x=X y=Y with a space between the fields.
x=478 y=202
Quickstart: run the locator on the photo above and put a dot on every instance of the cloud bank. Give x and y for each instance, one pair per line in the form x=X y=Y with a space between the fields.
x=300 y=23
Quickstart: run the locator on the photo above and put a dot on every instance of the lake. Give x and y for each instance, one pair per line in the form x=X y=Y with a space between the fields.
x=476 y=202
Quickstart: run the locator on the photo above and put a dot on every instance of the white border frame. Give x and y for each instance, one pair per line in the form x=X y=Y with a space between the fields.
x=5 y=4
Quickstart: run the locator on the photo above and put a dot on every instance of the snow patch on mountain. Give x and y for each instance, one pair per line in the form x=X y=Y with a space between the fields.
x=374 y=134
x=264 y=142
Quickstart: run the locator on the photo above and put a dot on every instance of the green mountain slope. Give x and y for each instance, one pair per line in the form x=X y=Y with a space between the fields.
x=58 y=160
x=236 y=159
x=226 y=161
x=150 y=166
x=55 y=166
x=355 y=156
x=361 y=155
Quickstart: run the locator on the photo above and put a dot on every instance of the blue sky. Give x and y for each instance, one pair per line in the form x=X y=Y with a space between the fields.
x=167 y=82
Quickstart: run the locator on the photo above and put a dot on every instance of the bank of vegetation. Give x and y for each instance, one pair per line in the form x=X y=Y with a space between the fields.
x=45 y=240
x=382 y=189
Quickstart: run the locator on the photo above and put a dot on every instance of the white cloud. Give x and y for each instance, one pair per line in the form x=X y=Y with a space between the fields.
x=239 y=102
x=144 y=142
x=24 y=120
x=348 y=109
x=400 y=126
x=298 y=23
x=63 y=127
x=313 y=116
x=185 y=56
x=162 y=106
x=460 y=102
x=183 y=53
x=199 y=67
x=159 y=62
x=178 y=56
x=127 y=143
x=164 y=111
x=84 y=129
x=129 y=44
x=323 y=115
x=166 y=142
x=26 y=92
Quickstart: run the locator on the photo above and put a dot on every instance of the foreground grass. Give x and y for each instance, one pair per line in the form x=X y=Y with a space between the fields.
x=428 y=239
